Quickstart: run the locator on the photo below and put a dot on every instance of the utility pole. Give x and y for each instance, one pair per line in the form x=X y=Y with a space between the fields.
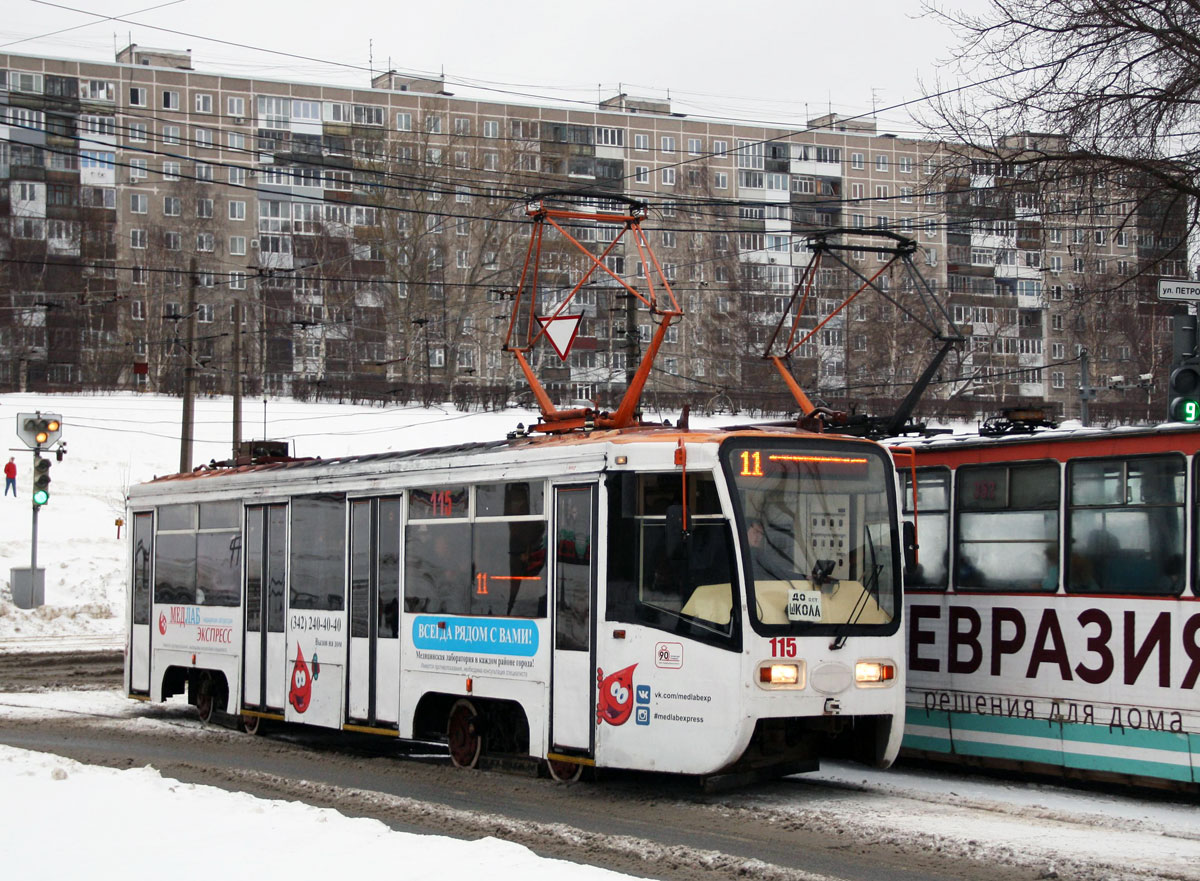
x=237 y=376
x=1086 y=391
x=632 y=340
x=421 y=322
x=189 y=377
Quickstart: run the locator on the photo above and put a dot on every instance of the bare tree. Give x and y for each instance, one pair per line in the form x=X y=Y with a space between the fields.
x=1116 y=82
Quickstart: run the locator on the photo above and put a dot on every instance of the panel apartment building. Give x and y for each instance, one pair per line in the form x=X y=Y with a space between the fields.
x=322 y=240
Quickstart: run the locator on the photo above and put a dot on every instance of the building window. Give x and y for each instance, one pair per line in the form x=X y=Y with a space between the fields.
x=720 y=180
x=365 y=114
x=237 y=210
x=668 y=177
x=881 y=163
x=138 y=169
x=237 y=245
x=204 y=103
x=204 y=208
x=172 y=206
x=170 y=134
x=667 y=142
x=205 y=242
x=905 y=164
x=137 y=132
x=433 y=124
x=137 y=238
x=641 y=141
x=170 y=100
x=139 y=203
x=695 y=146
x=173 y=241
x=139 y=96
x=404 y=122
x=856 y=160
x=491 y=128
x=641 y=174
x=236 y=107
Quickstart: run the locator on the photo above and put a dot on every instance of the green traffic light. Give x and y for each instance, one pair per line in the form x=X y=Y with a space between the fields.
x=1190 y=411
x=40 y=497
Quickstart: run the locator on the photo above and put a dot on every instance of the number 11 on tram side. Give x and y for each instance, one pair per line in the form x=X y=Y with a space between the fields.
x=716 y=603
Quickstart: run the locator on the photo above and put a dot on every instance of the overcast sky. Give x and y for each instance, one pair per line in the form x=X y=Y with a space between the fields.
x=778 y=62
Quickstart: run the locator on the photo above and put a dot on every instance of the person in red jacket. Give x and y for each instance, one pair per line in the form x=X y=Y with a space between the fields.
x=10 y=477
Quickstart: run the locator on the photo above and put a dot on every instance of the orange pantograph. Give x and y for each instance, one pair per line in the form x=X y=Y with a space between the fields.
x=527 y=327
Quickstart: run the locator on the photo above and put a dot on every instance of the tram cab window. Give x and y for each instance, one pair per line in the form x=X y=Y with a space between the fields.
x=933 y=525
x=1007 y=527
x=661 y=574
x=1125 y=526
x=821 y=548
x=198 y=554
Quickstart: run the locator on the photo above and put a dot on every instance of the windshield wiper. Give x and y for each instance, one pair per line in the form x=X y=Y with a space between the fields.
x=870 y=590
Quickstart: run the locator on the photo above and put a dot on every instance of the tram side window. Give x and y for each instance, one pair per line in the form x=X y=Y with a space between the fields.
x=266 y=558
x=933 y=525
x=491 y=563
x=318 y=557
x=388 y=611
x=660 y=575
x=375 y=556
x=197 y=554
x=1007 y=527
x=1126 y=526
x=142 y=542
x=254 y=568
x=276 y=567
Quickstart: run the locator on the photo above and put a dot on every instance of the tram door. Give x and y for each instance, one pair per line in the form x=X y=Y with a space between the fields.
x=374 y=696
x=140 y=630
x=573 y=686
x=263 y=674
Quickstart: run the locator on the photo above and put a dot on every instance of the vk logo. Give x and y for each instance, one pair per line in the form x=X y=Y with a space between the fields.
x=643 y=694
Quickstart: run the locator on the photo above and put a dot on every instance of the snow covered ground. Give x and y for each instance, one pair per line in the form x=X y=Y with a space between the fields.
x=117 y=440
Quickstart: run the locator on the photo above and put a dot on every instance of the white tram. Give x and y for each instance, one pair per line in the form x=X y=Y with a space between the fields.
x=705 y=603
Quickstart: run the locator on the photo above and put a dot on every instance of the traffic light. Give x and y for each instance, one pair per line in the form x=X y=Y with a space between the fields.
x=41 y=480
x=1184 y=392
x=39 y=430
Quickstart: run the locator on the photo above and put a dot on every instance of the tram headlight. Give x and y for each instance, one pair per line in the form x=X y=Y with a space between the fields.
x=868 y=673
x=776 y=675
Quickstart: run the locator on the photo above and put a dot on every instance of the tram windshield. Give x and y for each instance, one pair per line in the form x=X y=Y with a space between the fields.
x=816 y=524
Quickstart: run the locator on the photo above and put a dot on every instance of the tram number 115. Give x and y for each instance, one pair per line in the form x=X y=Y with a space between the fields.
x=783 y=646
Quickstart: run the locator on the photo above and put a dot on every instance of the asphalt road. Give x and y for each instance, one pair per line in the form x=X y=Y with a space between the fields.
x=647 y=825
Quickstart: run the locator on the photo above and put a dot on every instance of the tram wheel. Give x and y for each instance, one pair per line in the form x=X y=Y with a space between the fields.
x=252 y=725
x=462 y=734
x=206 y=699
x=564 y=772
